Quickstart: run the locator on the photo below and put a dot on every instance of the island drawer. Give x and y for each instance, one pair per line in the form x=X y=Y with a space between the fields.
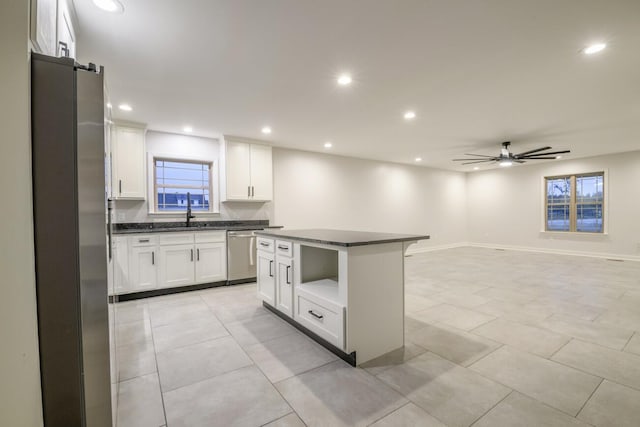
x=284 y=247
x=325 y=321
x=265 y=244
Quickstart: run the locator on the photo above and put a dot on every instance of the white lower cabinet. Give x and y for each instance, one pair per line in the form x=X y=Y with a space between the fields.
x=142 y=268
x=266 y=277
x=176 y=265
x=284 y=288
x=145 y=262
x=120 y=254
x=211 y=262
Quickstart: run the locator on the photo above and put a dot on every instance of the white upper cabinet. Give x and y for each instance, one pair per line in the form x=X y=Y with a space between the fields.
x=128 y=157
x=261 y=172
x=52 y=27
x=66 y=45
x=238 y=162
x=246 y=171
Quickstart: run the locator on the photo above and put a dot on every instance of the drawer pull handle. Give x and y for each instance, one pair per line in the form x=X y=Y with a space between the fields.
x=288 y=268
x=284 y=248
x=270 y=268
x=153 y=258
x=317 y=316
x=191 y=255
x=143 y=240
x=264 y=244
x=198 y=254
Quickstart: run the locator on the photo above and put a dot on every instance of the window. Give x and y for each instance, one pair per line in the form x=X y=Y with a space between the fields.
x=174 y=179
x=575 y=203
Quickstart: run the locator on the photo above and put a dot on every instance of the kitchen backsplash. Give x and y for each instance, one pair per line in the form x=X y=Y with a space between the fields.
x=137 y=211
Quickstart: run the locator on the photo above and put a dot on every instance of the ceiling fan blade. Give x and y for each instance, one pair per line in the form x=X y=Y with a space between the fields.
x=471 y=160
x=531 y=151
x=540 y=158
x=546 y=154
x=479 y=161
x=519 y=161
x=477 y=155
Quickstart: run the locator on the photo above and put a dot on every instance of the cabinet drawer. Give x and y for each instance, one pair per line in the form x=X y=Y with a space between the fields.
x=143 y=240
x=176 y=238
x=211 y=236
x=265 y=244
x=324 y=321
x=284 y=247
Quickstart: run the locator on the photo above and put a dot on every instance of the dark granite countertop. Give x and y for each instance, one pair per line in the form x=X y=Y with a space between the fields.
x=167 y=227
x=341 y=237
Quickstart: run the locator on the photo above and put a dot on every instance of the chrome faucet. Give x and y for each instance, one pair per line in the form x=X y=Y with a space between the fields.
x=189 y=216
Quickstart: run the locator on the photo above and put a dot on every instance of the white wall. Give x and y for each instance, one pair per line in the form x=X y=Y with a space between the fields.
x=188 y=147
x=506 y=207
x=313 y=190
x=20 y=398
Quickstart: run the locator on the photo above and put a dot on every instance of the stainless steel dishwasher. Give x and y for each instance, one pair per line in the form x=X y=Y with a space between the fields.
x=241 y=256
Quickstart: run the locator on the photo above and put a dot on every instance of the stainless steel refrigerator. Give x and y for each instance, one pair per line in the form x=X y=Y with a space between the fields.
x=70 y=223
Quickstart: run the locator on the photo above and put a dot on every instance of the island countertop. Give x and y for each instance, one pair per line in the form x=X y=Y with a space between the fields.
x=345 y=238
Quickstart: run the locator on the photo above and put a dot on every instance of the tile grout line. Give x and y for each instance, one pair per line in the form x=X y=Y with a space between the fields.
x=395 y=410
x=559 y=348
x=628 y=341
x=155 y=357
x=280 y=394
x=589 y=398
x=490 y=409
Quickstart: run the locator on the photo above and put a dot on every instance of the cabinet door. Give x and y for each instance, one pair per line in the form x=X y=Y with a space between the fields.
x=238 y=171
x=266 y=277
x=176 y=265
x=211 y=262
x=128 y=163
x=284 y=288
x=261 y=173
x=66 y=33
x=121 y=282
x=142 y=268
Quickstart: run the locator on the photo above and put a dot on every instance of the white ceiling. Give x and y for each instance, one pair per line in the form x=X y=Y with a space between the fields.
x=476 y=73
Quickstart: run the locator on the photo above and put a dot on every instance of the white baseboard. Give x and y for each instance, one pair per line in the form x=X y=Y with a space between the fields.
x=417 y=249
x=557 y=251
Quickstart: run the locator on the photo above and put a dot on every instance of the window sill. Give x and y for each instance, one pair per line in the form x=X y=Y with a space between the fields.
x=572 y=233
x=183 y=214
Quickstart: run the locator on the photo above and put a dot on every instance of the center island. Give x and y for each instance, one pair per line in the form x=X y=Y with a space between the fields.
x=344 y=289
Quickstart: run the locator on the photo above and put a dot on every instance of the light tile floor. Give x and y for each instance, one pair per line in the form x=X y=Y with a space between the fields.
x=493 y=338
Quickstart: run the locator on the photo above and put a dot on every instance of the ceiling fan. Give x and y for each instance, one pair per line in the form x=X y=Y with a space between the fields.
x=506 y=158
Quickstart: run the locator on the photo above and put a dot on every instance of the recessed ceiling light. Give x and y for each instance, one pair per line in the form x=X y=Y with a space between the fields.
x=475 y=168
x=187 y=129
x=594 y=48
x=418 y=159
x=266 y=130
x=344 y=80
x=409 y=115
x=506 y=163
x=558 y=157
x=328 y=144
x=109 y=5
x=125 y=107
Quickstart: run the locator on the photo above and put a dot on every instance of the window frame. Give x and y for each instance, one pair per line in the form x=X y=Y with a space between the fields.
x=152 y=194
x=573 y=203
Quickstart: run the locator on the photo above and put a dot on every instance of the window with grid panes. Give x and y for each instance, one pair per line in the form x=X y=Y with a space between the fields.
x=174 y=179
x=575 y=203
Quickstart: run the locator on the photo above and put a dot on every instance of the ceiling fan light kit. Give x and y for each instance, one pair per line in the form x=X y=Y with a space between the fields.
x=506 y=158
